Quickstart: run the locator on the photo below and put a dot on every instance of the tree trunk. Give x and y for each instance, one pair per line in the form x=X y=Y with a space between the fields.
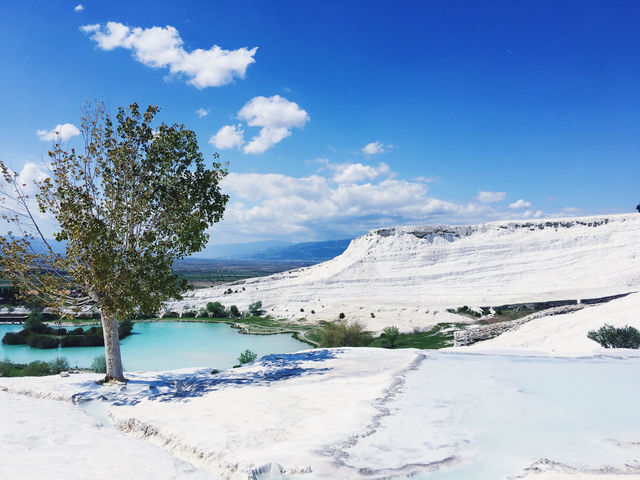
x=112 y=349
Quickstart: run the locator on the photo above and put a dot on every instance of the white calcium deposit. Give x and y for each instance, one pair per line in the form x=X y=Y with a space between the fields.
x=336 y=414
x=409 y=276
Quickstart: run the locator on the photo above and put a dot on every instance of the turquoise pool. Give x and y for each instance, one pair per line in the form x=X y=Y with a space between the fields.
x=156 y=346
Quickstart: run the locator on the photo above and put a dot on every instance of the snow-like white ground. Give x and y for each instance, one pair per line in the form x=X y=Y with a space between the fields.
x=337 y=414
x=511 y=407
x=408 y=276
x=565 y=335
x=41 y=438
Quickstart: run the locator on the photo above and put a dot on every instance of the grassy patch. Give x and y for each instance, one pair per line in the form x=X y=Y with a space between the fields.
x=440 y=336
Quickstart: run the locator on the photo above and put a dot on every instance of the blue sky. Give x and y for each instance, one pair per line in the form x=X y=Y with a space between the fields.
x=471 y=111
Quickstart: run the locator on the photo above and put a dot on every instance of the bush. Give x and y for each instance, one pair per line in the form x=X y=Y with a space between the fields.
x=392 y=334
x=33 y=323
x=344 y=334
x=247 y=357
x=189 y=314
x=125 y=327
x=233 y=311
x=36 y=369
x=216 y=310
x=17 y=338
x=611 y=337
x=42 y=341
x=256 y=308
x=99 y=364
x=73 y=341
x=341 y=316
x=58 y=364
x=77 y=331
x=6 y=366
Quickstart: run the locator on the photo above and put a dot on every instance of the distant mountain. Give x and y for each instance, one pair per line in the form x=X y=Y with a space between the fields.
x=275 y=251
x=307 y=251
x=236 y=250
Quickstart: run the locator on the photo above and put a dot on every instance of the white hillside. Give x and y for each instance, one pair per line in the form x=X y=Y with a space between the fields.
x=405 y=274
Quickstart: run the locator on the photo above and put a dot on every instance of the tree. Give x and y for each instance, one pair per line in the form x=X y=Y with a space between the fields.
x=133 y=201
x=256 y=308
x=216 y=310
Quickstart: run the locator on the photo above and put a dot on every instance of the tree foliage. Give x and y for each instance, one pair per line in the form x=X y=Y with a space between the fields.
x=134 y=200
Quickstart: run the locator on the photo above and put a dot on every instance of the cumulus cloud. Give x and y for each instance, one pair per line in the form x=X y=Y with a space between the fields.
x=373 y=148
x=159 y=47
x=275 y=115
x=78 y=8
x=343 y=200
x=356 y=172
x=490 y=197
x=201 y=112
x=520 y=204
x=61 y=132
x=229 y=136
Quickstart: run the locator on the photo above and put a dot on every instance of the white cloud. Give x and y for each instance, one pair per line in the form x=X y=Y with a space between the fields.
x=78 y=8
x=276 y=115
x=490 y=197
x=373 y=148
x=520 y=204
x=345 y=200
x=356 y=172
x=229 y=136
x=159 y=47
x=426 y=179
x=61 y=132
x=201 y=112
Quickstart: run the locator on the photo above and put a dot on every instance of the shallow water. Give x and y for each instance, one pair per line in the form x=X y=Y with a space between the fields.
x=156 y=346
x=504 y=413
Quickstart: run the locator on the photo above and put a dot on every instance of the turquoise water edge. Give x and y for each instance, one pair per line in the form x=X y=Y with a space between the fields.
x=156 y=346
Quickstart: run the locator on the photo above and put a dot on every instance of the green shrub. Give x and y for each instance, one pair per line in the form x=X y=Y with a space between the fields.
x=42 y=341
x=6 y=366
x=77 y=331
x=344 y=334
x=125 y=327
x=33 y=323
x=233 y=311
x=14 y=338
x=216 y=310
x=99 y=364
x=189 y=314
x=58 y=364
x=247 y=357
x=611 y=337
x=256 y=308
x=36 y=369
x=341 y=316
x=392 y=334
